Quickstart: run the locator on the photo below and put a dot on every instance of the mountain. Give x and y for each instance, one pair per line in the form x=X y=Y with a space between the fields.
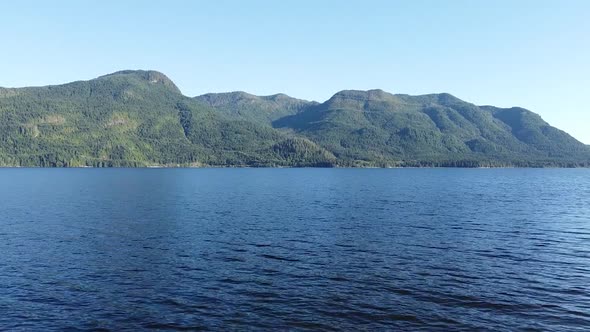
x=262 y=109
x=140 y=118
x=437 y=129
x=136 y=118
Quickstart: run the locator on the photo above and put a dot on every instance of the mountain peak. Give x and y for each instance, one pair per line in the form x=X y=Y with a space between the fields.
x=218 y=99
x=360 y=99
x=363 y=95
x=151 y=76
x=279 y=96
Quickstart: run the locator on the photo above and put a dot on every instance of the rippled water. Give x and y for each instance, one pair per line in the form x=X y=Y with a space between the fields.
x=288 y=249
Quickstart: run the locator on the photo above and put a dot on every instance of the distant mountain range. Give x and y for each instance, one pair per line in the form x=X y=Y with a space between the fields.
x=140 y=118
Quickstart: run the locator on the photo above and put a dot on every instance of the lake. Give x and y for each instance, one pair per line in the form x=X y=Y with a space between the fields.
x=295 y=249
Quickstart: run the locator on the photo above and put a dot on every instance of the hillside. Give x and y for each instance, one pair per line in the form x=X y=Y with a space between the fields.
x=438 y=129
x=140 y=118
x=262 y=109
x=134 y=118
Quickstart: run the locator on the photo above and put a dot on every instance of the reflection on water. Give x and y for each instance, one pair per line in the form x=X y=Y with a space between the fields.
x=322 y=249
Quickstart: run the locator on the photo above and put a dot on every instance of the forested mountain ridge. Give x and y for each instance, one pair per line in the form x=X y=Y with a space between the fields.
x=140 y=118
x=432 y=129
x=243 y=105
x=136 y=118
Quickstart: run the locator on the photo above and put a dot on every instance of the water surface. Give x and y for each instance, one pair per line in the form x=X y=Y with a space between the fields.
x=295 y=249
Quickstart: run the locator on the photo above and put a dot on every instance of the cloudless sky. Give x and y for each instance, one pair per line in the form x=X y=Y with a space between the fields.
x=529 y=53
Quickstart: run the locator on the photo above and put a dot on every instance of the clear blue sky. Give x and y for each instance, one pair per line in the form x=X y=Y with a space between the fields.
x=534 y=54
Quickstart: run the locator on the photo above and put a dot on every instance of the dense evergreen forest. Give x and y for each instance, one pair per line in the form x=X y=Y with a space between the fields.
x=140 y=118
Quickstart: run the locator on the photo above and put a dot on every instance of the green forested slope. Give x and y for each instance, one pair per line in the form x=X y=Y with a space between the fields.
x=255 y=108
x=130 y=118
x=140 y=118
x=368 y=127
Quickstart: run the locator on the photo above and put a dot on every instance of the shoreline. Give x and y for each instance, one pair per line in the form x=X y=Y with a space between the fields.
x=294 y=167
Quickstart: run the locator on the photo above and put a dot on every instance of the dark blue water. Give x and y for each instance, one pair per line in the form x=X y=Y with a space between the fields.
x=295 y=249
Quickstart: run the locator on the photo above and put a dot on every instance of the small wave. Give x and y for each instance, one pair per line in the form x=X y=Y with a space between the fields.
x=279 y=258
